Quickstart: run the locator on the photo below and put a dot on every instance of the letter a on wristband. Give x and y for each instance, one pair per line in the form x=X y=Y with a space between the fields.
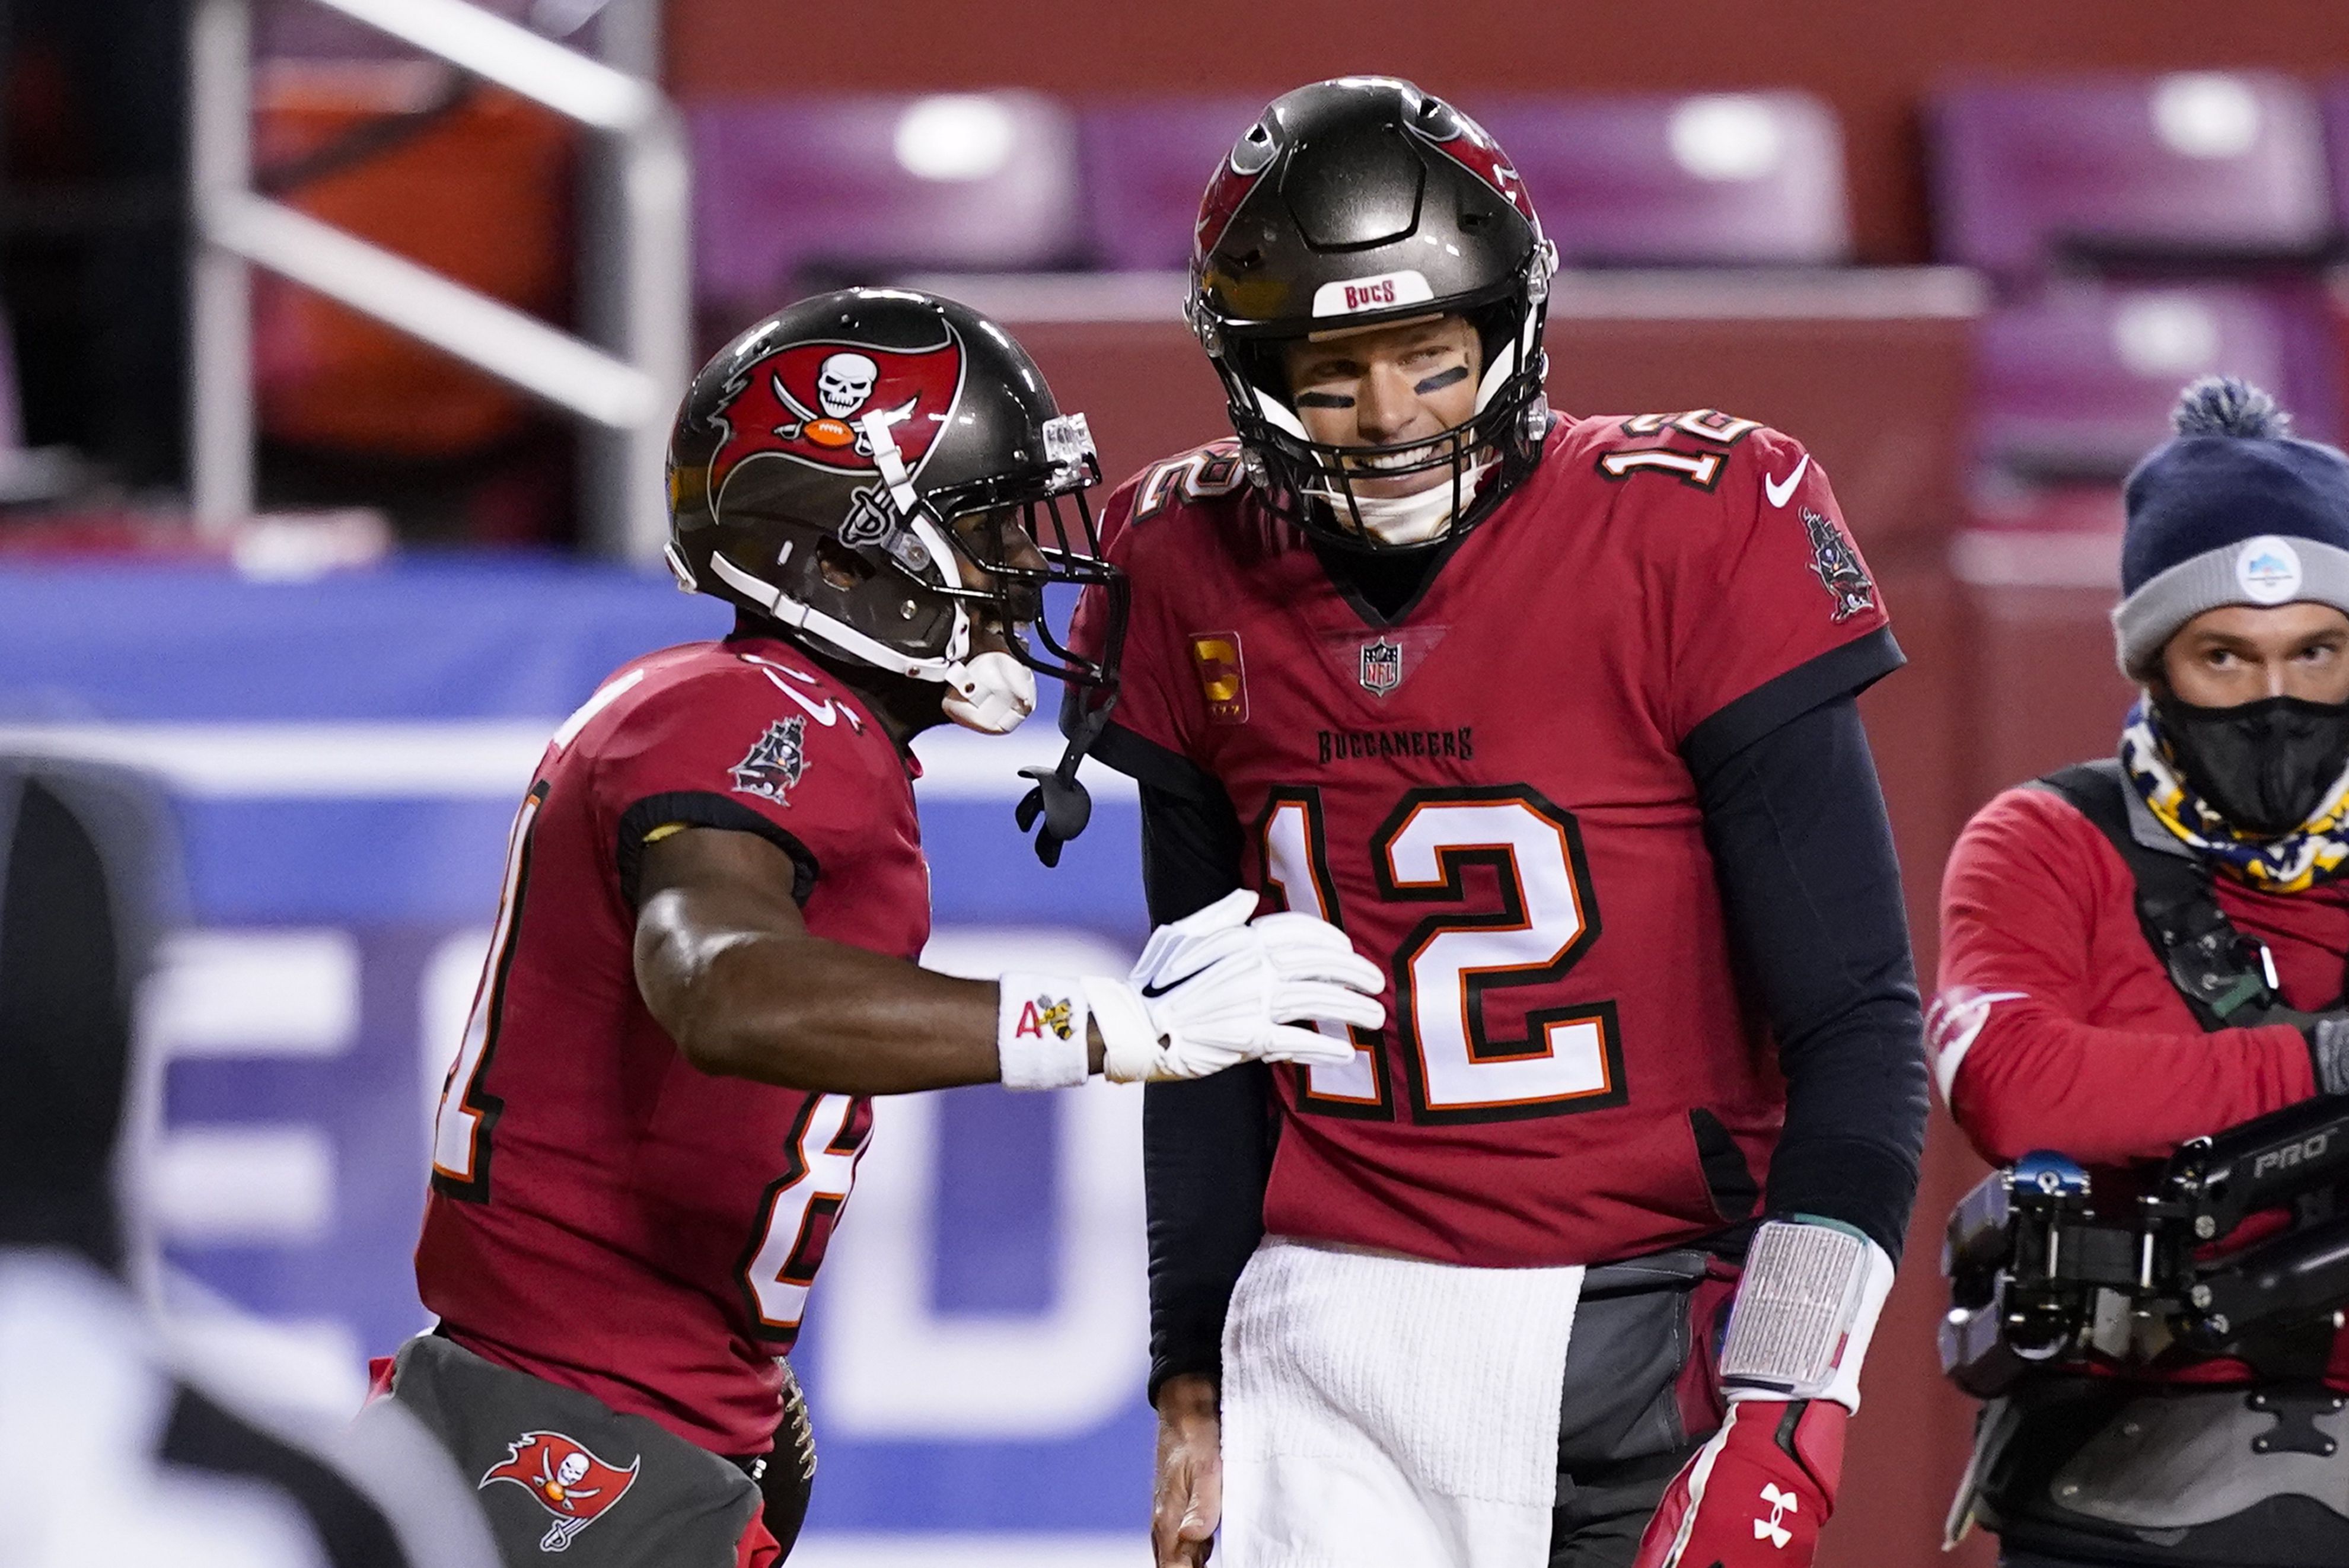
x=1041 y=1031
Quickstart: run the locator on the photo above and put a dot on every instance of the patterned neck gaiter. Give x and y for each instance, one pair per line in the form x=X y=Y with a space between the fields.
x=2315 y=852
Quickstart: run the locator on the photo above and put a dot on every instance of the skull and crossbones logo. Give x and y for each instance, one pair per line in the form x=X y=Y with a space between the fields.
x=563 y=1484
x=844 y=383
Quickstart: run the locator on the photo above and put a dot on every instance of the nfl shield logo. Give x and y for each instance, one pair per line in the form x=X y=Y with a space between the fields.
x=1381 y=666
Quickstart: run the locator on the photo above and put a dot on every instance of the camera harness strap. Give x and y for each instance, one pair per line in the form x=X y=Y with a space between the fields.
x=2226 y=978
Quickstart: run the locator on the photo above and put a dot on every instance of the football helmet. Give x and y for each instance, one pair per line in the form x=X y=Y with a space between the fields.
x=884 y=473
x=1362 y=202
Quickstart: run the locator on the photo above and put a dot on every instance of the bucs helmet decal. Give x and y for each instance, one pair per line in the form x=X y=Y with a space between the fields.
x=884 y=477
x=809 y=402
x=1473 y=149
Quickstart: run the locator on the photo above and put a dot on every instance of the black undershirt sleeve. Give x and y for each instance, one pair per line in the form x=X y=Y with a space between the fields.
x=1206 y=1143
x=1803 y=850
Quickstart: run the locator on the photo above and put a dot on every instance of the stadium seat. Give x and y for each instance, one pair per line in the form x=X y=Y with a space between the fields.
x=1713 y=179
x=2193 y=167
x=2076 y=385
x=826 y=191
x=1146 y=164
x=2334 y=105
x=1654 y=181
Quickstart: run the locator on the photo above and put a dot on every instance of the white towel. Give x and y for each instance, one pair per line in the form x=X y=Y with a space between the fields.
x=1382 y=1410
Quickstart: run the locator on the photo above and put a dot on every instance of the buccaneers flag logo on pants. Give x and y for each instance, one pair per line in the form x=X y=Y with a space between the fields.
x=569 y=1483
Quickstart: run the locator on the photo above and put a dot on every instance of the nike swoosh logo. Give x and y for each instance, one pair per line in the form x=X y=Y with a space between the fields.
x=1780 y=491
x=1154 y=992
x=822 y=712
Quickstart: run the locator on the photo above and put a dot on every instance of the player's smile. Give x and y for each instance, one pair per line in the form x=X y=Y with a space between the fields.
x=998 y=536
x=1379 y=387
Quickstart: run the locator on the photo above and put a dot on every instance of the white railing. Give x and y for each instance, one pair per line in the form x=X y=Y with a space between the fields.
x=637 y=283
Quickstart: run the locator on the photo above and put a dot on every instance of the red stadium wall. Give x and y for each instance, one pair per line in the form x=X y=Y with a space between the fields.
x=1873 y=62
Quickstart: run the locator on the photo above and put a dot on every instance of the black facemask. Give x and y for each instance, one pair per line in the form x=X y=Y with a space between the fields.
x=2263 y=766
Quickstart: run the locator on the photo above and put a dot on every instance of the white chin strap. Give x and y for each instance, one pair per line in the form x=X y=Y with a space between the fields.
x=990 y=692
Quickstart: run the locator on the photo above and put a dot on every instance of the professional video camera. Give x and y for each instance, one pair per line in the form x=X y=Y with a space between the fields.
x=2040 y=1277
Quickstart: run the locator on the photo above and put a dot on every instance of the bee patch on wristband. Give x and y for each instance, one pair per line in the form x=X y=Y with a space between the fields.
x=775 y=761
x=1054 y=1016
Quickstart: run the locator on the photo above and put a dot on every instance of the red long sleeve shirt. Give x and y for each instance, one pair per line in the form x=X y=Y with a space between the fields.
x=2056 y=1027
x=2088 y=1048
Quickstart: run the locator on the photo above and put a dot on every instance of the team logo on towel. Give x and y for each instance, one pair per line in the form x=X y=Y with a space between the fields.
x=775 y=761
x=569 y=1482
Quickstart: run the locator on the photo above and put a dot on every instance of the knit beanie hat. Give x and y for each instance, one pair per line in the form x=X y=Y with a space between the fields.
x=2230 y=510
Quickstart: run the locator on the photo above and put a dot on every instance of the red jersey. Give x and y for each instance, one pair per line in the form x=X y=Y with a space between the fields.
x=2057 y=1028
x=603 y=1214
x=1492 y=793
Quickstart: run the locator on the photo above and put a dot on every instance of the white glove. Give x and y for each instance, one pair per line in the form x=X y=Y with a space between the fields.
x=1216 y=988
x=1210 y=991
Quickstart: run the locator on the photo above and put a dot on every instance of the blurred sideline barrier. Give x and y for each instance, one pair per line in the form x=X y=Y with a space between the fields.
x=344 y=756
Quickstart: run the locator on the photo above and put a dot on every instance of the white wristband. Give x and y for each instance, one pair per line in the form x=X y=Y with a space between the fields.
x=1805 y=1312
x=1040 y=1031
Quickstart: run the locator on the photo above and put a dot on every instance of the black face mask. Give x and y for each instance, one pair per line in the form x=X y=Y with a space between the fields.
x=2263 y=766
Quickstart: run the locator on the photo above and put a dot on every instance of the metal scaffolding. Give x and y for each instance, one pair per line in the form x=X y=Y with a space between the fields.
x=635 y=242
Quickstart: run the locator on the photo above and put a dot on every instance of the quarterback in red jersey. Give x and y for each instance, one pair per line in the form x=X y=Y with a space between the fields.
x=1555 y=718
x=703 y=961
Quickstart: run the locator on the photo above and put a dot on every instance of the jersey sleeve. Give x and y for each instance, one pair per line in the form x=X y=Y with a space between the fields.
x=1162 y=680
x=734 y=749
x=2016 y=1055
x=1773 y=609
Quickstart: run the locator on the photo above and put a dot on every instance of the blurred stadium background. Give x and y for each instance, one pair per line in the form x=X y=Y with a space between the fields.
x=337 y=586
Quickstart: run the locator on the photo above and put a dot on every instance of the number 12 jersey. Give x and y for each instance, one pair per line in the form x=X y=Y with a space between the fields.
x=1494 y=791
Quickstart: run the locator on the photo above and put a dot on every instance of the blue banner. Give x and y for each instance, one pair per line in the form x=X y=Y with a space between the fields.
x=345 y=755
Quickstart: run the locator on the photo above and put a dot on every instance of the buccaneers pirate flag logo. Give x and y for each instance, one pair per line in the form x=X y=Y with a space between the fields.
x=809 y=403
x=572 y=1484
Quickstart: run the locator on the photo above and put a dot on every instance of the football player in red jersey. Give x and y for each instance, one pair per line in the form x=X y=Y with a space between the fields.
x=1577 y=1260
x=703 y=961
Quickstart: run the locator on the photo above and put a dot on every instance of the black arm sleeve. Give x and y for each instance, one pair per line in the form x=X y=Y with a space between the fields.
x=1804 y=851
x=1207 y=1145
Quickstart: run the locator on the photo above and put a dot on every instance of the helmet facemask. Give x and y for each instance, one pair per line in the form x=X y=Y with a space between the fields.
x=1313 y=483
x=943 y=587
x=1363 y=201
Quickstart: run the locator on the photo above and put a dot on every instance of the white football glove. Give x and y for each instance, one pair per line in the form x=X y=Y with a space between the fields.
x=1211 y=990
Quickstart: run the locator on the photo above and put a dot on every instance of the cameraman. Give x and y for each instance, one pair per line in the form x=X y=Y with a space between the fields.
x=2140 y=951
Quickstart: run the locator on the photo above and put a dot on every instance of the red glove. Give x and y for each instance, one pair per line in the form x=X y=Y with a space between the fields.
x=1754 y=1496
